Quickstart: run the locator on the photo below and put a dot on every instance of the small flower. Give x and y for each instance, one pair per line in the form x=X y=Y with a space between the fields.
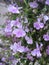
x=47 y=50
x=46 y=37
x=19 y=32
x=8 y=30
x=12 y=23
x=3 y=59
x=45 y=18
x=16 y=23
x=30 y=57
x=26 y=29
x=47 y=2
x=38 y=25
x=21 y=49
x=1 y=63
x=36 y=52
x=27 y=49
x=14 y=62
x=13 y=9
x=29 y=40
x=16 y=47
x=33 y=4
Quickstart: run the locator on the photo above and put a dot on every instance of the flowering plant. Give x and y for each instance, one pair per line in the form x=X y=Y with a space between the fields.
x=27 y=33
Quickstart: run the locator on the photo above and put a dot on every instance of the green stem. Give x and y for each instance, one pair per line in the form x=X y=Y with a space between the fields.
x=25 y=2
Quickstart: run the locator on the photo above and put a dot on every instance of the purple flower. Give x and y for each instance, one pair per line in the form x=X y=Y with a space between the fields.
x=47 y=50
x=14 y=62
x=27 y=49
x=12 y=23
x=8 y=30
x=19 y=32
x=30 y=57
x=36 y=52
x=47 y=2
x=46 y=37
x=3 y=59
x=33 y=4
x=26 y=29
x=2 y=64
x=16 y=47
x=13 y=9
x=38 y=25
x=46 y=18
x=21 y=49
x=29 y=40
x=16 y=23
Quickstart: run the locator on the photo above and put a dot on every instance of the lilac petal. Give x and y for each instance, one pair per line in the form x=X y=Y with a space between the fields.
x=47 y=50
x=30 y=57
x=13 y=9
x=48 y=46
x=33 y=4
x=27 y=30
x=3 y=59
x=1 y=63
x=17 y=48
x=46 y=37
x=12 y=23
x=38 y=53
x=21 y=49
x=14 y=47
x=36 y=25
x=41 y=25
x=37 y=46
x=29 y=40
x=33 y=52
x=19 y=33
x=16 y=23
x=46 y=18
x=14 y=62
x=26 y=49
x=47 y=2
x=8 y=30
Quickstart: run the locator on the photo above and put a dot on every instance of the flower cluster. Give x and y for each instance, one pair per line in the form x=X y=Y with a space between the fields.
x=27 y=31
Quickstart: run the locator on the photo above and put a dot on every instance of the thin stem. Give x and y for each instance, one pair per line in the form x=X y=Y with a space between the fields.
x=25 y=2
